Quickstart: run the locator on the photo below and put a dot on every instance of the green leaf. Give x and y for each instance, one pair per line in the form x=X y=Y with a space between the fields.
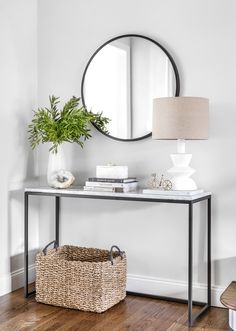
x=71 y=124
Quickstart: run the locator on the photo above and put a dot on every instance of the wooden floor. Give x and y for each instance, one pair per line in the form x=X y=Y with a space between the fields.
x=133 y=314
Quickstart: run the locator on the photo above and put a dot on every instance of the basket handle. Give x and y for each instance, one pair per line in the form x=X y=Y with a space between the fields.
x=46 y=247
x=121 y=254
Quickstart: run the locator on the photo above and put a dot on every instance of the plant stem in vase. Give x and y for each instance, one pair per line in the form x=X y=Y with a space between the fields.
x=56 y=162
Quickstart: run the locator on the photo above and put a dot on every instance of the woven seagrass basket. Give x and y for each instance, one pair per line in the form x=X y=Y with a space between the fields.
x=81 y=278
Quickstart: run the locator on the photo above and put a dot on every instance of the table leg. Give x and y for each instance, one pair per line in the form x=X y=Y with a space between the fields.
x=190 y=264
x=57 y=219
x=209 y=251
x=26 y=248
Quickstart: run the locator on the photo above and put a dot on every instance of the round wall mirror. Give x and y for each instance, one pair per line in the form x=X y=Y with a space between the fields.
x=121 y=80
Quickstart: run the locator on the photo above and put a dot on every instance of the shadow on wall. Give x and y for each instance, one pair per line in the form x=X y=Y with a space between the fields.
x=22 y=172
x=15 y=238
x=202 y=248
x=224 y=271
x=17 y=271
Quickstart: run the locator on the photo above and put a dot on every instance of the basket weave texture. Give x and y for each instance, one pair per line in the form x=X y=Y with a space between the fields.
x=80 y=278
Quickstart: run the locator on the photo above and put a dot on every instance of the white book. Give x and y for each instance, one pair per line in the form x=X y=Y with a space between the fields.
x=99 y=189
x=111 y=189
x=132 y=185
x=112 y=171
x=171 y=192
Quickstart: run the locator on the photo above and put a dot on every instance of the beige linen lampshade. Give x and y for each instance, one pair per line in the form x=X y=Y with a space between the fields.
x=180 y=118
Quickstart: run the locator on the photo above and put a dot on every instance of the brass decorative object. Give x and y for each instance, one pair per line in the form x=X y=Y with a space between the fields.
x=155 y=183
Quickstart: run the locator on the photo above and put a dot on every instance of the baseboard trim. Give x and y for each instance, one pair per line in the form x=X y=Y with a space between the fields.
x=135 y=283
x=171 y=288
x=15 y=280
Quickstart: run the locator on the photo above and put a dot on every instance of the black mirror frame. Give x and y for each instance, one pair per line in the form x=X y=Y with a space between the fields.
x=103 y=45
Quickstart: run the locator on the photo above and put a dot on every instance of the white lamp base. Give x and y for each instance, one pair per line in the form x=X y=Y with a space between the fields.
x=181 y=171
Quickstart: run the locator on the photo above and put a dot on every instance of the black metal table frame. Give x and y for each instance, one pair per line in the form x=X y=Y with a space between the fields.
x=191 y=317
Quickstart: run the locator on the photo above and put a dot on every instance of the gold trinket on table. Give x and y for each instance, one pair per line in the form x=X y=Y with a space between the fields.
x=162 y=184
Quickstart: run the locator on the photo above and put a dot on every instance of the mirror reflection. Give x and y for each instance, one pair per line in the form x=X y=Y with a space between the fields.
x=122 y=80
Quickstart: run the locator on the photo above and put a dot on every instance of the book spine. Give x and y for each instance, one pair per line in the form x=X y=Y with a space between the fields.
x=87 y=183
x=99 y=189
x=111 y=189
x=124 y=190
x=115 y=185
x=111 y=180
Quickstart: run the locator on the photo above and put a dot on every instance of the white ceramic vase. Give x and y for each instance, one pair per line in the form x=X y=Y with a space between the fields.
x=56 y=162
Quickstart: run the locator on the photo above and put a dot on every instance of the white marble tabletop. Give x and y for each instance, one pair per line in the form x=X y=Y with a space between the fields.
x=78 y=191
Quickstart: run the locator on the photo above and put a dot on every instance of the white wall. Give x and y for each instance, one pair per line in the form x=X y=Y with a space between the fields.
x=201 y=37
x=18 y=85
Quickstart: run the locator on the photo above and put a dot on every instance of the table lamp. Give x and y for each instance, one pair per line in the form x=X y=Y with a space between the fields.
x=181 y=118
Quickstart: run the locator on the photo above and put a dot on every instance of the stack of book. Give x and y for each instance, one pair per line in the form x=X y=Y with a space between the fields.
x=121 y=185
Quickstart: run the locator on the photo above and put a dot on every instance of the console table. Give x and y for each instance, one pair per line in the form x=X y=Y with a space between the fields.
x=132 y=196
